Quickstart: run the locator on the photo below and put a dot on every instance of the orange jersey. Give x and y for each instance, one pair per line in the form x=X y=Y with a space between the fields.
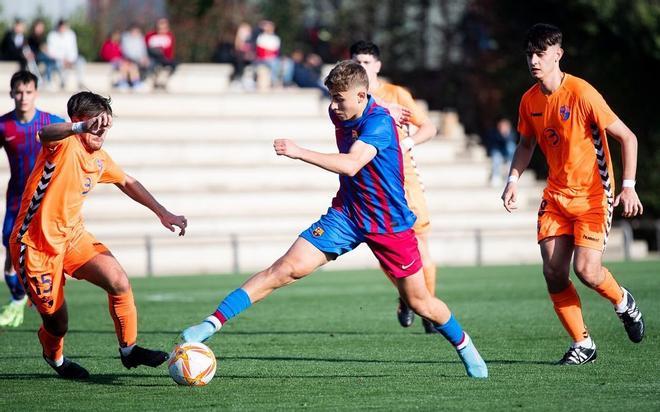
x=63 y=174
x=389 y=93
x=569 y=126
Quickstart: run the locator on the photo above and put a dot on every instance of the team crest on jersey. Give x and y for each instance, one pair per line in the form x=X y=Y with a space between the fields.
x=354 y=134
x=318 y=232
x=564 y=112
x=99 y=163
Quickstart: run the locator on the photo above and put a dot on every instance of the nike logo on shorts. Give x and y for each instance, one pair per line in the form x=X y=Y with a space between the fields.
x=404 y=267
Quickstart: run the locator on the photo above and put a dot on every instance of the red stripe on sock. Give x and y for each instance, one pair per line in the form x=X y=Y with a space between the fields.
x=220 y=317
x=462 y=340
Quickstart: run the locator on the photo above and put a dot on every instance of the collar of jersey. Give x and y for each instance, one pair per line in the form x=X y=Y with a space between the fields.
x=36 y=115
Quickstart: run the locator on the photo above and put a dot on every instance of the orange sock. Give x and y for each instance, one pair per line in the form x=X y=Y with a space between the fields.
x=124 y=314
x=52 y=345
x=569 y=310
x=610 y=289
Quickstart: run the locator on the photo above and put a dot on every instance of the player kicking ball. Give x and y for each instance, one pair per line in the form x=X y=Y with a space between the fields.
x=49 y=238
x=570 y=121
x=370 y=207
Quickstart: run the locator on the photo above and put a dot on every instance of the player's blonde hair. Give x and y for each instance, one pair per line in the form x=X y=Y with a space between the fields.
x=346 y=75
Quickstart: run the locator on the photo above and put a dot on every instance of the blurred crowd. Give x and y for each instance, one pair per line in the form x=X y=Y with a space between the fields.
x=52 y=55
x=46 y=54
x=255 y=53
x=136 y=56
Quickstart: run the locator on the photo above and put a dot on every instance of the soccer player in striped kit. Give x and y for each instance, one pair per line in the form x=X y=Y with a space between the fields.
x=370 y=207
x=568 y=119
x=18 y=135
x=408 y=115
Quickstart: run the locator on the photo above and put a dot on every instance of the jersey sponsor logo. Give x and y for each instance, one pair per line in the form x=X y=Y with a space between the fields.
x=318 y=232
x=537 y=114
x=564 y=112
x=9 y=138
x=551 y=136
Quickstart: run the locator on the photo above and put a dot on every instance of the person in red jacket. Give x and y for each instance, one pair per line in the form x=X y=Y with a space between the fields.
x=129 y=73
x=160 y=45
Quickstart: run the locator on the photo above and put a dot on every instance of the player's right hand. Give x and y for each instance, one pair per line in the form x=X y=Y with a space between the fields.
x=510 y=196
x=286 y=147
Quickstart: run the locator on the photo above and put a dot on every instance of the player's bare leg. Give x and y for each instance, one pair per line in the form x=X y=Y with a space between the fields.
x=12 y=313
x=51 y=335
x=413 y=290
x=557 y=252
x=429 y=269
x=589 y=269
x=404 y=314
x=300 y=260
x=105 y=271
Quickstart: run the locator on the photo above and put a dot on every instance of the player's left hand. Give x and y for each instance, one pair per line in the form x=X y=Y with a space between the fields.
x=169 y=220
x=628 y=198
x=286 y=147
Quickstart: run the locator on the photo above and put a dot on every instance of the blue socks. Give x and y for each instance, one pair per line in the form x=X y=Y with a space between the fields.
x=452 y=331
x=235 y=303
x=15 y=287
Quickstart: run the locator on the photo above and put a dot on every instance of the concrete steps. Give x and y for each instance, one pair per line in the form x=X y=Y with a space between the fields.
x=206 y=152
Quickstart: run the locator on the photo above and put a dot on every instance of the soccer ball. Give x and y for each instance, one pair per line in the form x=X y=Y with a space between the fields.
x=192 y=364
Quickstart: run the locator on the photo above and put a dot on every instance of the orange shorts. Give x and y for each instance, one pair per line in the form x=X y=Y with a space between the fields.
x=587 y=219
x=42 y=274
x=417 y=203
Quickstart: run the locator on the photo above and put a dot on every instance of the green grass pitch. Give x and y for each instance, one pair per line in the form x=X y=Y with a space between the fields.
x=332 y=341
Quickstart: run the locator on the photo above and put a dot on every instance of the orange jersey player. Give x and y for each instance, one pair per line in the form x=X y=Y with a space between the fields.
x=569 y=120
x=49 y=238
x=406 y=112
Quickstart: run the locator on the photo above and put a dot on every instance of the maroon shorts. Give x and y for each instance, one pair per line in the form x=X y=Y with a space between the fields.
x=398 y=253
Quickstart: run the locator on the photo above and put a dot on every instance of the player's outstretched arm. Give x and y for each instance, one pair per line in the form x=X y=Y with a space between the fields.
x=521 y=159
x=140 y=194
x=57 y=131
x=628 y=198
x=347 y=164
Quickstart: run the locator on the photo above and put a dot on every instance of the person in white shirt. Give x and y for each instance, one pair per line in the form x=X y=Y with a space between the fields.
x=63 y=48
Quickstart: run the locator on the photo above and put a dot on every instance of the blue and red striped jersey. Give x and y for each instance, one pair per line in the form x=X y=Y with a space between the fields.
x=374 y=198
x=22 y=147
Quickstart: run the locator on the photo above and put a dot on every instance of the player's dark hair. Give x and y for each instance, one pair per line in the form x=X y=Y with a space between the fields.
x=541 y=36
x=85 y=105
x=23 y=77
x=346 y=75
x=365 y=47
